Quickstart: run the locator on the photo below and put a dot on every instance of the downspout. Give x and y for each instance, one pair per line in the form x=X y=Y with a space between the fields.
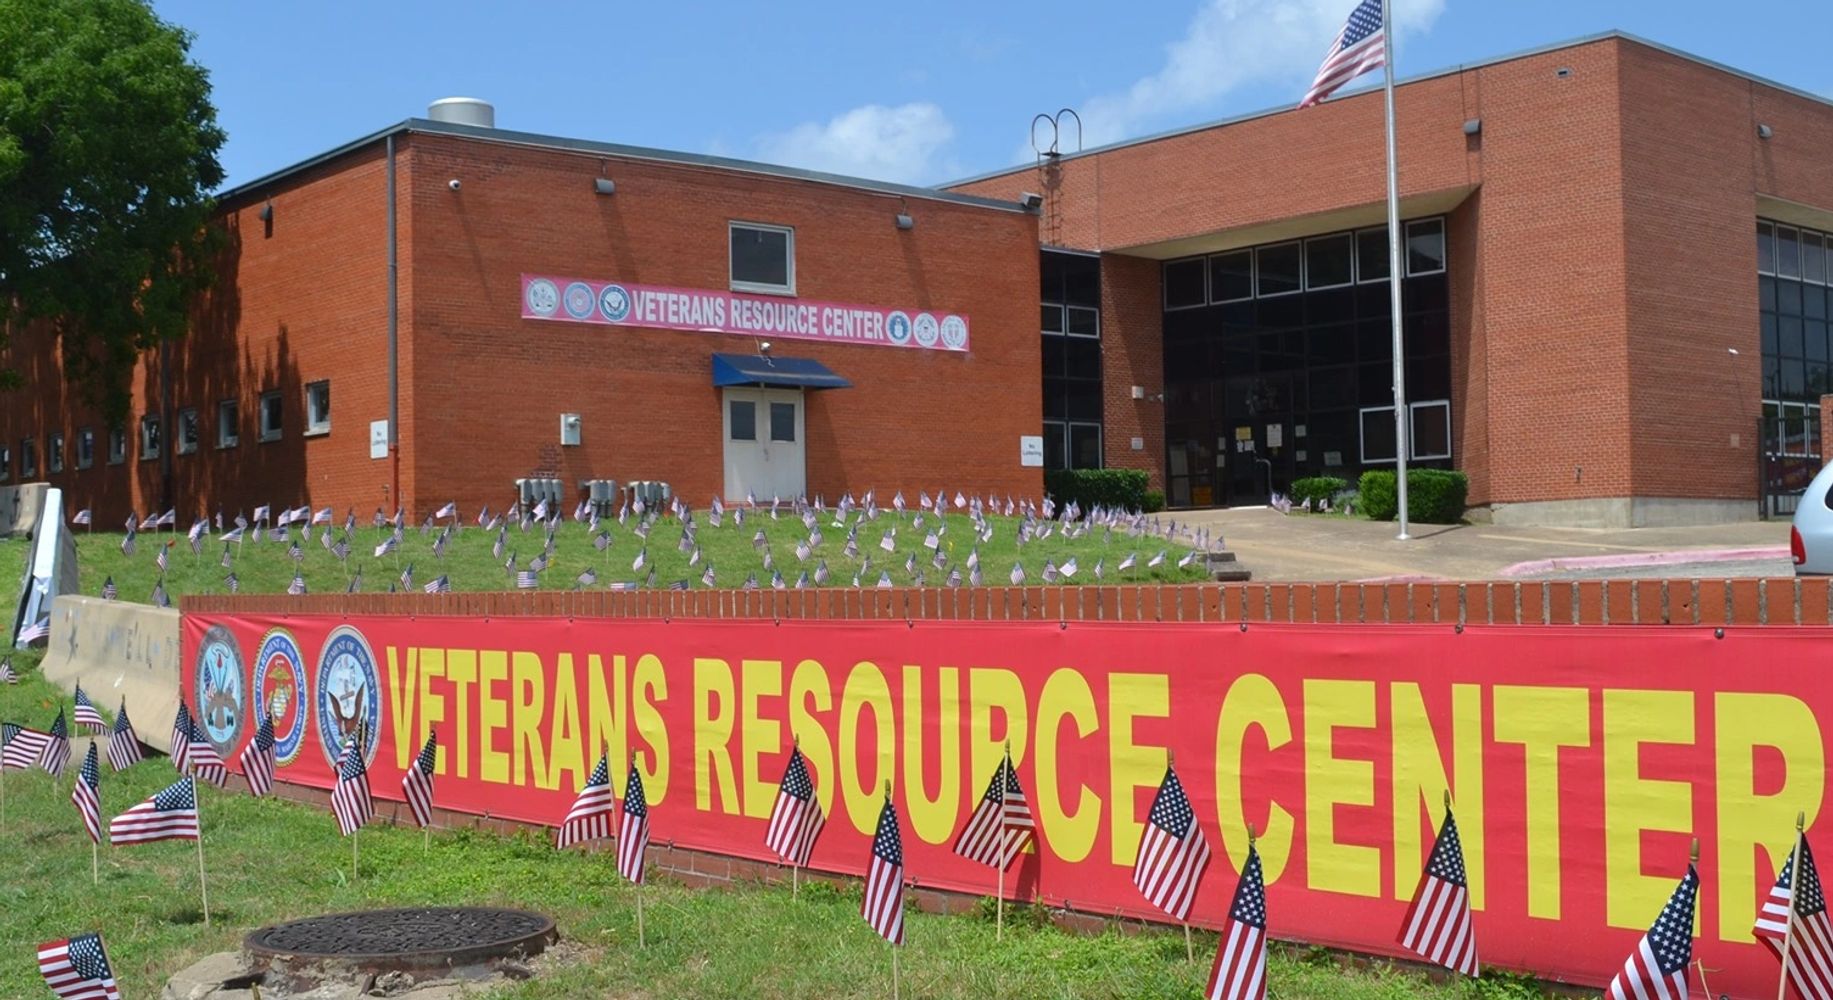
x=394 y=350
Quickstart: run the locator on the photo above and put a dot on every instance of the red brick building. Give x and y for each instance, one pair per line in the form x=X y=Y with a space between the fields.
x=1593 y=334
x=566 y=311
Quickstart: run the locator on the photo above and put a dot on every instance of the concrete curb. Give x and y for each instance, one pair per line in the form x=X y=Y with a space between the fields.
x=1673 y=558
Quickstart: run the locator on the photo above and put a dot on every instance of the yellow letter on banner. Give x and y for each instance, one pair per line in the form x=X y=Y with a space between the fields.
x=1633 y=803
x=990 y=689
x=933 y=819
x=461 y=667
x=713 y=734
x=651 y=687
x=1419 y=779
x=400 y=703
x=1071 y=835
x=433 y=707
x=1252 y=701
x=566 y=753
x=1131 y=766
x=608 y=710
x=1543 y=720
x=1746 y=820
x=1331 y=781
x=866 y=688
x=758 y=735
x=492 y=715
x=528 y=689
x=810 y=684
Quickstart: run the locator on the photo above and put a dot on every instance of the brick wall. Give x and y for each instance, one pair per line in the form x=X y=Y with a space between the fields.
x=913 y=420
x=1132 y=353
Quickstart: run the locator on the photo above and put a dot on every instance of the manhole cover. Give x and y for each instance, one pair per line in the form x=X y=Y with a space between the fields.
x=405 y=939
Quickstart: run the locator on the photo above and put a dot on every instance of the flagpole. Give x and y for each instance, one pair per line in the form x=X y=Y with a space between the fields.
x=1401 y=441
x=203 y=883
x=1794 y=886
x=353 y=836
x=999 y=904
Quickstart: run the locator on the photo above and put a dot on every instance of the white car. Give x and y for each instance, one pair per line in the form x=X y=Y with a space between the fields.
x=1810 y=540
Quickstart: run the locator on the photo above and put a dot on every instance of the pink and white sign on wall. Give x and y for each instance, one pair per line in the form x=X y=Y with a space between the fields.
x=612 y=303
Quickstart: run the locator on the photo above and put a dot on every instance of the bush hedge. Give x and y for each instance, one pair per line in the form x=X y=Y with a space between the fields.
x=1317 y=489
x=1434 y=496
x=1122 y=488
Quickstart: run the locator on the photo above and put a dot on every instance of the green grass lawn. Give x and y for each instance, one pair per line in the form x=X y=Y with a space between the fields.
x=470 y=564
x=271 y=860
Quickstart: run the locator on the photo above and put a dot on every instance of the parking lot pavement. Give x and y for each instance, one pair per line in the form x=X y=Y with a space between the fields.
x=1275 y=546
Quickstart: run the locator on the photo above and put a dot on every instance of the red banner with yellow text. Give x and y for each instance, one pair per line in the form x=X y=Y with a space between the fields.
x=1580 y=760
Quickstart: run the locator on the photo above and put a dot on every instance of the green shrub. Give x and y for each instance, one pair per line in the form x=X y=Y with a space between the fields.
x=1155 y=501
x=1122 y=488
x=1434 y=496
x=1317 y=489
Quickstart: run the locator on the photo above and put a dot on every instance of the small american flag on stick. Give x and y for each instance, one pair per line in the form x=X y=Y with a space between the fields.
x=1657 y=969
x=56 y=755
x=169 y=815
x=123 y=743
x=85 y=796
x=350 y=798
x=77 y=969
x=1240 y=972
x=590 y=817
x=796 y=819
x=633 y=832
x=1002 y=824
x=86 y=717
x=1794 y=925
x=417 y=785
x=1173 y=852
x=1437 y=926
x=883 y=907
x=200 y=756
x=258 y=758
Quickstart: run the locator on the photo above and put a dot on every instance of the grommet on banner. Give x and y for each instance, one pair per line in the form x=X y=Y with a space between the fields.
x=1718 y=633
x=1459 y=628
x=1063 y=626
x=1244 y=626
x=908 y=623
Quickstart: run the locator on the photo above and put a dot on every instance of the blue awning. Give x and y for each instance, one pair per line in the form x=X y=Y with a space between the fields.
x=764 y=370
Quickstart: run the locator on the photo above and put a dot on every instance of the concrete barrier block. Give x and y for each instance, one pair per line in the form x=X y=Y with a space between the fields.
x=117 y=651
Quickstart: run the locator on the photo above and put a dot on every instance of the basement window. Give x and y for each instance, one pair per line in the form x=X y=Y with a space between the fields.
x=318 y=407
x=763 y=258
x=270 y=416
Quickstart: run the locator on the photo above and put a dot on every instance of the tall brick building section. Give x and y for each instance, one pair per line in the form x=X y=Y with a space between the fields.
x=1617 y=268
x=1617 y=275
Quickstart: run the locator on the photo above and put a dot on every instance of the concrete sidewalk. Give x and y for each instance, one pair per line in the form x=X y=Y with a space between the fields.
x=1276 y=546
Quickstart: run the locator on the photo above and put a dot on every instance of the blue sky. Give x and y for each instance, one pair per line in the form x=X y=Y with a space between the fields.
x=918 y=92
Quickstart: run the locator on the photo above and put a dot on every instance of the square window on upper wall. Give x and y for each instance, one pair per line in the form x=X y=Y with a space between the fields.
x=1278 y=269
x=1426 y=247
x=763 y=258
x=1084 y=321
x=1328 y=261
x=1766 y=248
x=1051 y=318
x=1231 y=276
x=1372 y=255
x=1184 y=284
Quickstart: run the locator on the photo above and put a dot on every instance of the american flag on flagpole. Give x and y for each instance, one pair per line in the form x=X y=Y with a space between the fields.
x=796 y=819
x=883 y=907
x=169 y=815
x=86 y=795
x=633 y=832
x=1810 y=943
x=350 y=798
x=86 y=716
x=123 y=743
x=56 y=755
x=1358 y=48
x=1437 y=926
x=1240 y=972
x=1657 y=969
x=417 y=784
x=77 y=969
x=590 y=817
x=1173 y=852
x=257 y=758
x=1001 y=824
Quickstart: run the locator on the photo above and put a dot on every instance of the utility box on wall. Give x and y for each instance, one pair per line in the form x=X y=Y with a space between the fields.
x=569 y=430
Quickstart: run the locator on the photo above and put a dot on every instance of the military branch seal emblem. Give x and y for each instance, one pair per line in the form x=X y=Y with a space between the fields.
x=280 y=687
x=219 y=686
x=347 y=692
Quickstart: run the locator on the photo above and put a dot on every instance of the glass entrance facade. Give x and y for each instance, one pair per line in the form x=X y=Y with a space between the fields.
x=1279 y=363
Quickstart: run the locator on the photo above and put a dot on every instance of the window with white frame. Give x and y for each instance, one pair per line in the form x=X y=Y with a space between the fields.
x=1425 y=247
x=1278 y=269
x=1070 y=290
x=85 y=447
x=763 y=258
x=270 y=414
x=318 y=407
x=1185 y=286
x=6 y=464
x=150 y=438
x=1428 y=425
x=228 y=423
x=28 y=458
x=187 y=431
x=117 y=445
x=1329 y=261
x=54 y=452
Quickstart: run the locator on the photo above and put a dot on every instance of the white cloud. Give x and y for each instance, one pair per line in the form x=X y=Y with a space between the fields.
x=906 y=143
x=1230 y=44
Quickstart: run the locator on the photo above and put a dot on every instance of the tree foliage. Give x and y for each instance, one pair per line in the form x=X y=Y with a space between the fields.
x=108 y=155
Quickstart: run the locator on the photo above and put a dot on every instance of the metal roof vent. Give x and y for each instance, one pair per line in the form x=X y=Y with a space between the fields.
x=463 y=111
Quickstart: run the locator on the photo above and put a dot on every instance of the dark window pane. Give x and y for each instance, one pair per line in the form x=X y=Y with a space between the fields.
x=1428 y=333
x=1084 y=400
x=1794 y=379
x=1768 y=326
x=1814 y=335
x=1333 y=387
x=1084 y=321
x=1282 y=312
x=1056 y=398
x=1772 y=376
x=1336 y=305
x=782 y=421
x=1085 y=445
x=1431 y=430
x=1372 y=255
x=1184 y=284
x=1789 y=341
x=1426 y=246
x=1081 y=280
x=1766 y=248
x=1050 y=318
x=1788 y=297
x=1788 y=253
x=1277 y=268
x=1428 y=377
x=1083 y=359
x=1813 y=258
x=1053 y=445
x=760 y=256
x=1817 y=379
x=1375 y=384
x=1814 y=303
x=1766 y=293
x=1231 y=276
x=1378 y=435
x=1327 y=261
x=1055 y=349
x=744 y=420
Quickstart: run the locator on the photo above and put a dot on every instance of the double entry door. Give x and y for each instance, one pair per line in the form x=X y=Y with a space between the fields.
x=766 y=450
